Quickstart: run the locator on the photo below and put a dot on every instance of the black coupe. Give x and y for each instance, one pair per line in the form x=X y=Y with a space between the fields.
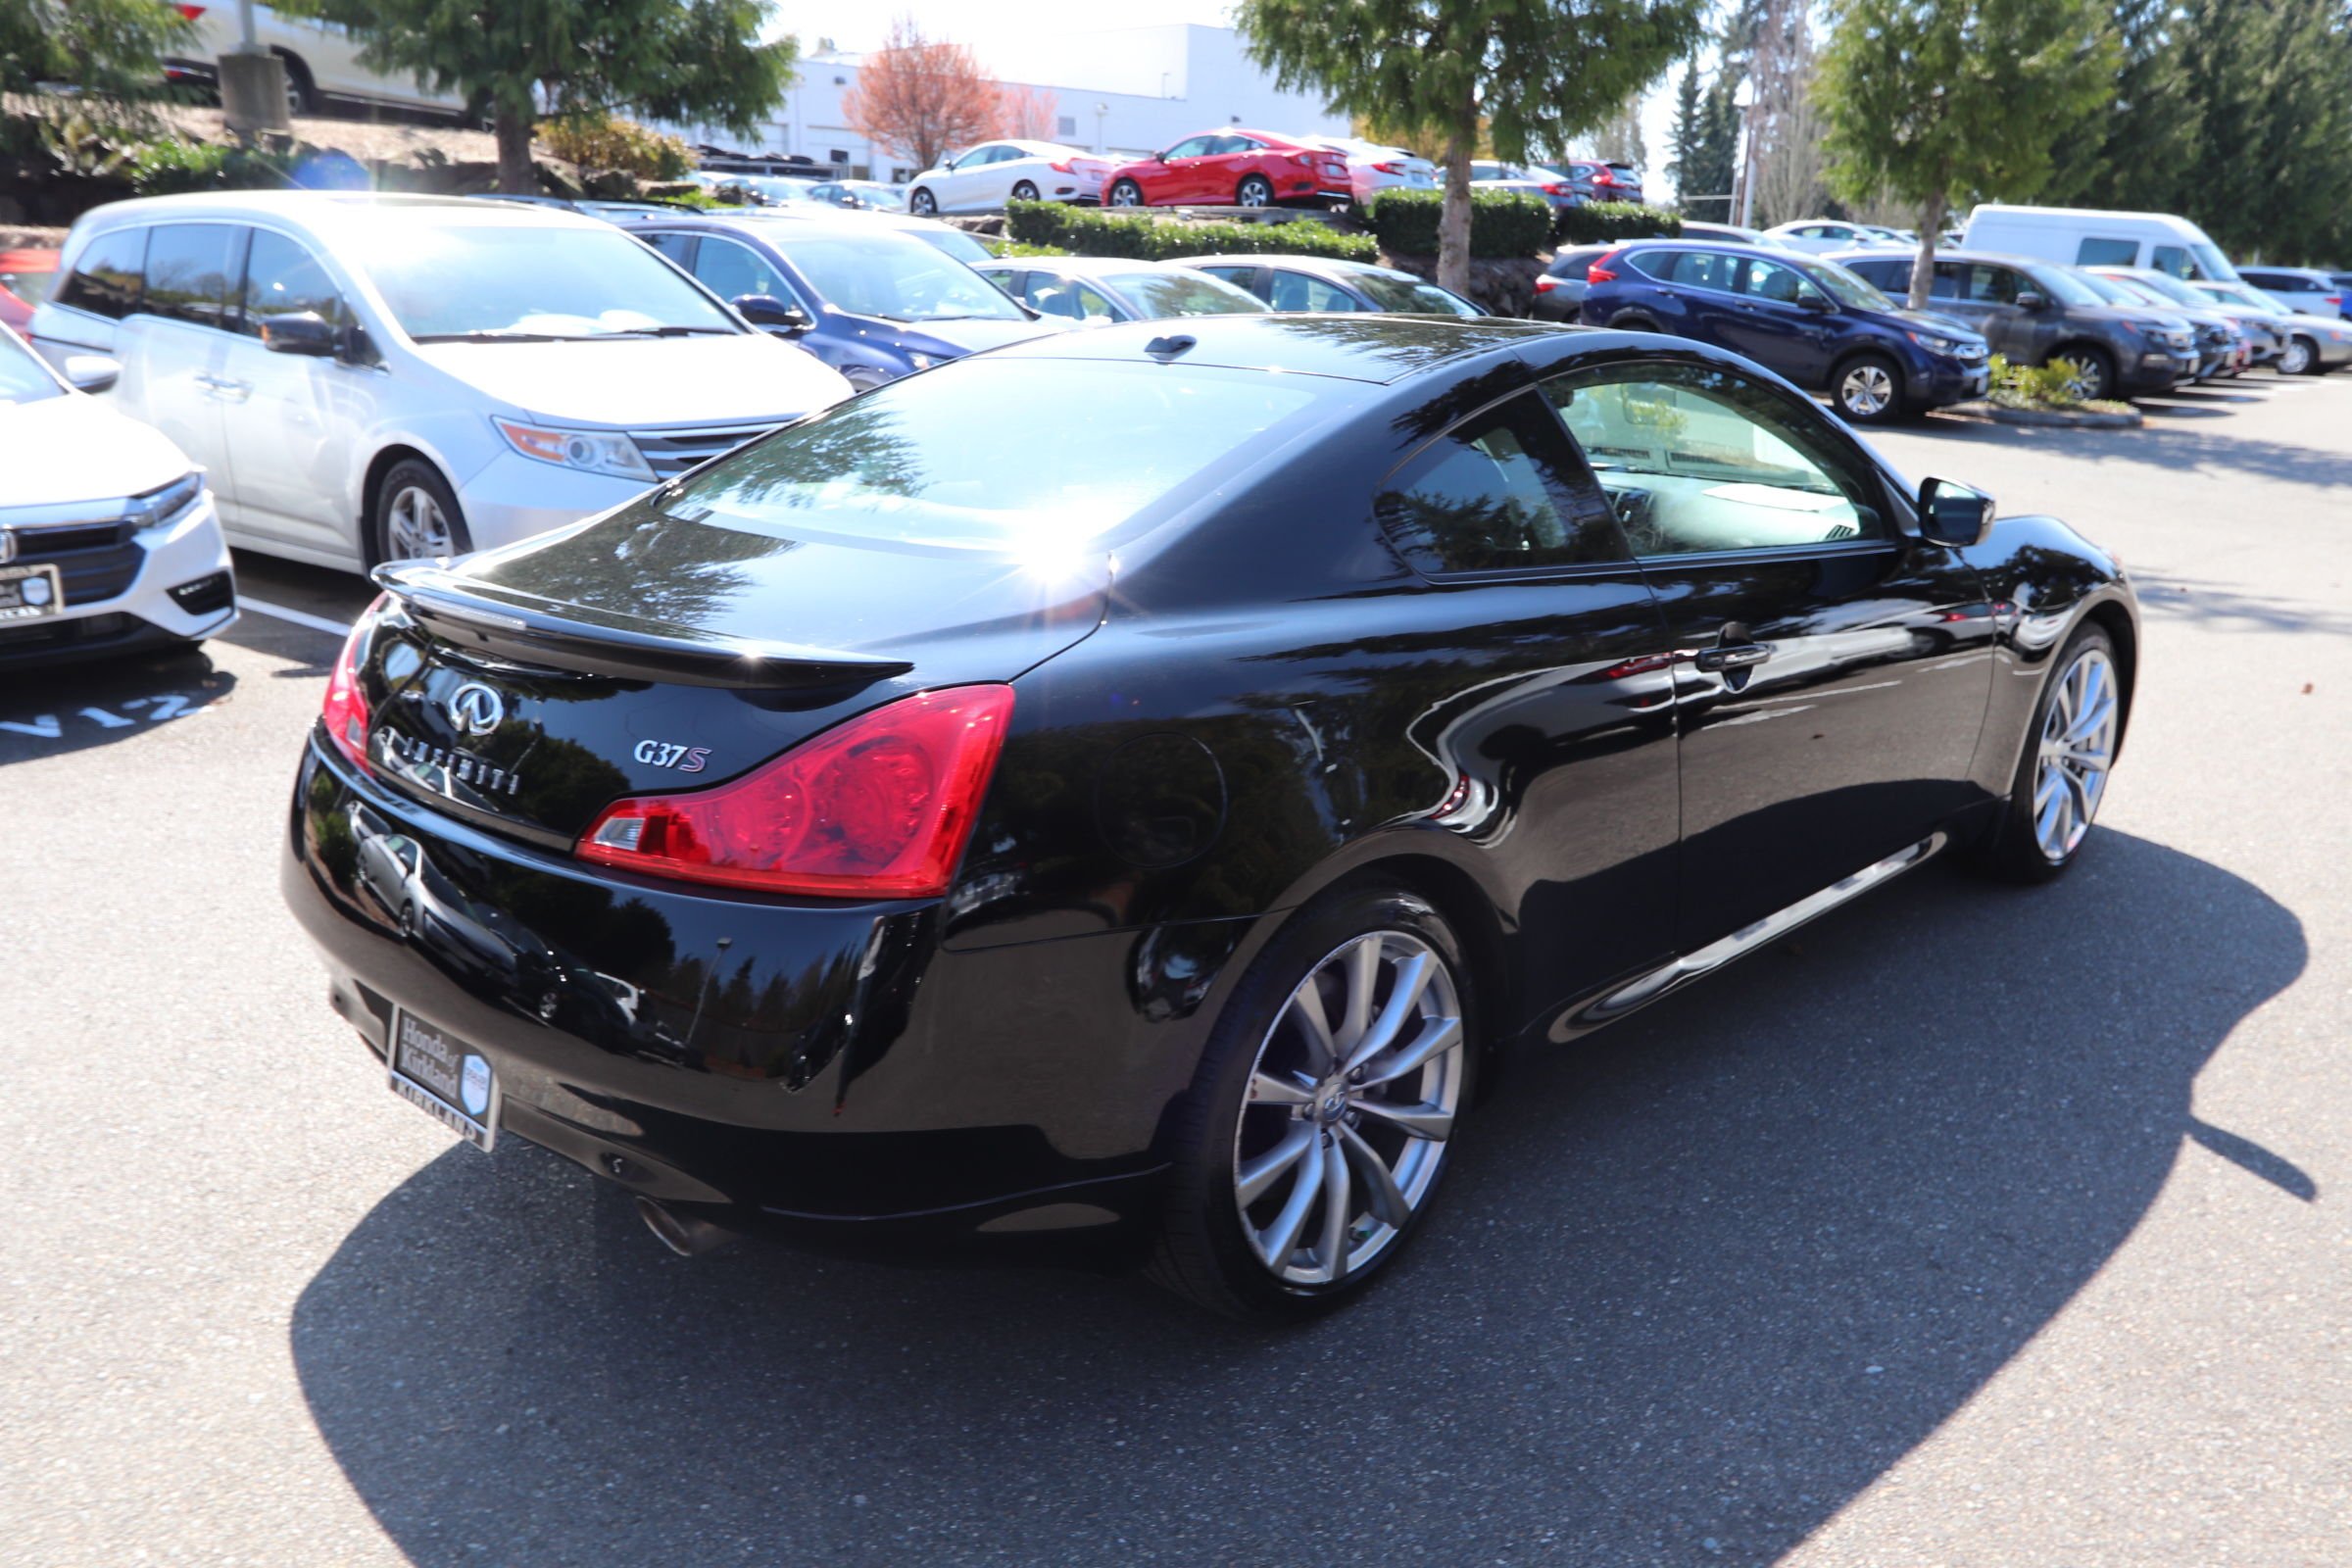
x=1136 y=845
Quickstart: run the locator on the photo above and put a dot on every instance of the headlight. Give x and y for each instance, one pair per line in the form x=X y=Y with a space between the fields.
x=161 y=507
x=1934 y=344
x=589 y=451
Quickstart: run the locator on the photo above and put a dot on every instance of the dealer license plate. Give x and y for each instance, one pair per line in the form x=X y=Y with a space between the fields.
x=27 y=593
x=445 y=1079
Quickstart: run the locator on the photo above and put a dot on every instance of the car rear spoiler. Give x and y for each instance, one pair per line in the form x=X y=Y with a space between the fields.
x=525 y=630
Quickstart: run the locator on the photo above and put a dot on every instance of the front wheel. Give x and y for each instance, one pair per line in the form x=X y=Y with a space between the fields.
x=2062 y=771
x=1869 y=390
x=1255 y=191
x=416 y=515
x=2095 y=374
x=1324 y=1110
x=922 y=204
x=1023 y=191
x=2297 y=357
x=1126 y=193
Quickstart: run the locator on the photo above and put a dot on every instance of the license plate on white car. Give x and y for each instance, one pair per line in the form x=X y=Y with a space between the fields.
x=445 y=1079
x=27 y=593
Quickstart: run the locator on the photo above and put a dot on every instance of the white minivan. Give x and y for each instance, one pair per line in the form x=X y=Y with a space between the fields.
x=2081 y=236
x=369 y=378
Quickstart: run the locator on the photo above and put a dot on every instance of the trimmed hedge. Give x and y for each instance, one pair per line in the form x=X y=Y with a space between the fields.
x=1141 y=237
x=1501 y=222
x=1600 y=222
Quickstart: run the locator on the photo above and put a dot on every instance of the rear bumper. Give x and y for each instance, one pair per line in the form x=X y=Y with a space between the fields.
x=824 y=1071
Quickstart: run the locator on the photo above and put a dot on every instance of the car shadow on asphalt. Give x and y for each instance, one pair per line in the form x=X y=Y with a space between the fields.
x=54 y=710
x=2161 y=443
x=1693 y=1284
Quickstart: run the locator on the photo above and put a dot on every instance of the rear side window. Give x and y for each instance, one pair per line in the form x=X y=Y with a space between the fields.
x=1694 y=268
x=2173 y=260
x=1889 y=276
x=1500 y=492
x=192 y=272
x=107 y=279
x=281 y=278
x=2107 y=253
x=677 y=247
x=1295 y=292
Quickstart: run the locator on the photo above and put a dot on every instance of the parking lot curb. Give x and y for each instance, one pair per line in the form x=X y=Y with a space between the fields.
x=2086 y=417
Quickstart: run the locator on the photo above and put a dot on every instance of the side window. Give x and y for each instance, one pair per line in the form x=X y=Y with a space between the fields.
x=2096 y=252
x=191 y=272
x=1237 y=276
x=1697 y=459
x=679 y=248
x=1770 y=280
x=1498 y=492
x=1065 y=298
x=1191 y=148
x=1950 y=282
x=731 y=271
x=1695 y=268
x=1991 y=285
x=106 y=279
x=2173 y=260
x=281 y=278
x=1892 y=278
x=1295 y=292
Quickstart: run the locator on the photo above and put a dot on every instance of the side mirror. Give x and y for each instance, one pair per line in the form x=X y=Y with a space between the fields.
x=1818 y=303
x=766 y=310
x=1953 y=514
x=2029 y=299
x=303 y=332
x=92 y=372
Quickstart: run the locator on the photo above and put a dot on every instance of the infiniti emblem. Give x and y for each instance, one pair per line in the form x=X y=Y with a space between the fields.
x=475 y=710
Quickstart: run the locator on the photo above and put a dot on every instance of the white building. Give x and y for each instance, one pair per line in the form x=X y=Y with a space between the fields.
x=1123 y=90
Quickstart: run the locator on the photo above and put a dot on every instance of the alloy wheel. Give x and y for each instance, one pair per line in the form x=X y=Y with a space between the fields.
x=2295 y=358
x=1126 y=193
x=1254 y=192
x=1866 y=391
x=922 y=204
x=415 y=526
x=2078 y=748
x=1351 y=1099
x=2090 y=380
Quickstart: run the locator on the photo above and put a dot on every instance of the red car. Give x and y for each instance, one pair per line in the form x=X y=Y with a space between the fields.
x=1231 y=168
x=24 y=278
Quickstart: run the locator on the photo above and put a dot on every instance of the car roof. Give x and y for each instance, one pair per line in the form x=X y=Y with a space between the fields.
x=1375 y=349
x=1943 y=254
x=328 y=213
x=760 y=223
x=1330 y=265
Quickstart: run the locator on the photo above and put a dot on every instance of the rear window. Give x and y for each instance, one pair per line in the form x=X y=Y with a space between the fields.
x=108 y=276
x=1410 y=296
x=923 y=460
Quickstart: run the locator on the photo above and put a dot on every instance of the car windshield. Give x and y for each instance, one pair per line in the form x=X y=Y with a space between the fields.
x=894 y=276
x=1849 y=288
x=2064 y=288
x=2108 y=289
x=2168 y=287
x=921 y=462
x=1156 y=295
x=23 y=378
x=951 y=242
x=2239 y=294
x=777 y=189
x=1410 y=296
x=528 y=283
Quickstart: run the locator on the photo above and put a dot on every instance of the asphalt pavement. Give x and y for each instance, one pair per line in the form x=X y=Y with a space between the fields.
x=1970 y=1226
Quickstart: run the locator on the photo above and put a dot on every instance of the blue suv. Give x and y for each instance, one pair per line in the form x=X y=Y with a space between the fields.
x=1812 y=321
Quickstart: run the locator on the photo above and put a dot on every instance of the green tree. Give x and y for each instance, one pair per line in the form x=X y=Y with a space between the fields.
x=1534 y=72
x=2269 y=84
x=1934 y=101
x=2142 y=153
x=112 y=50
x=1683 y=140
x=697 y=60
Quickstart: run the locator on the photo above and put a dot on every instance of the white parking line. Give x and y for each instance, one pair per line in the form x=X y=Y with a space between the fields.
x=299 y=617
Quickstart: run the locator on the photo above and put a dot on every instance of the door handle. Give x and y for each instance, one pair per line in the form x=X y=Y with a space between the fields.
x=234 y=391
x=1734 y=649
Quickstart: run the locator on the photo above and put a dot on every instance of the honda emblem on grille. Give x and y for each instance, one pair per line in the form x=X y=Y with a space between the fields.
x=475 y=710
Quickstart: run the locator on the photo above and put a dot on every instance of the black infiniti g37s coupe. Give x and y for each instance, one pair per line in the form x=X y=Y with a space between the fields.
x=1135 y=845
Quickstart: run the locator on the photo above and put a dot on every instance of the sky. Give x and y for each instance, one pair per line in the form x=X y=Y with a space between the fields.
x=995 y=28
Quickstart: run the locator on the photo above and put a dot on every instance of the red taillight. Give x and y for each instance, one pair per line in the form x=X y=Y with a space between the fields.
x=1546 y=282
x=1600 y=271
x=1558 y=188
x=2332 y=299
x=1601 y=177
x=878 y=806
x=344 y=711
x=1062 y=168
x=1390 y=169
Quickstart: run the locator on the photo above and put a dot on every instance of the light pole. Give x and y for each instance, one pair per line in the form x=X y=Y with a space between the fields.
x=1101 y=109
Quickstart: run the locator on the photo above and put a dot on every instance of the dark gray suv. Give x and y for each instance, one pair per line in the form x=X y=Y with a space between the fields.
x=2032 y=312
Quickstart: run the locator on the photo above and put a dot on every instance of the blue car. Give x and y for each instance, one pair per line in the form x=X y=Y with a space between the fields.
x=873 y=303
x=1812 y=321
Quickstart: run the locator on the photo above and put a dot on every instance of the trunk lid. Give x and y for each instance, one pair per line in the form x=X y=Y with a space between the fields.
x=640 y=653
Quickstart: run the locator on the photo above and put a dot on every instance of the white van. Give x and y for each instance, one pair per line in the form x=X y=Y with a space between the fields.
x=2081 y=236
x=322 y=59
x=369 y=378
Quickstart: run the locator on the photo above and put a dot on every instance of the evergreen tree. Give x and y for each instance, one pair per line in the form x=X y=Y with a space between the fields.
x=1683 y=141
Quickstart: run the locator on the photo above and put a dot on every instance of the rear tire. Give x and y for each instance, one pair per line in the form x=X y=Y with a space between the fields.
x=1254 y=190
x=302 y=94
x=2053 y=802
x=1024 y=192
x=1868 y=389
x=1274 y=1130
x=921 y=203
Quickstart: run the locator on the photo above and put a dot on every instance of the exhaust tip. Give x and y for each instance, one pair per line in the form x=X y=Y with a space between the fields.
x=683 y=1234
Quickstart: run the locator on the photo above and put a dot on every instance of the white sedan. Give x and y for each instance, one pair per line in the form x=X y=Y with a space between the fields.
x=986 y=178
x=1373 y=167
x=1820 y=236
